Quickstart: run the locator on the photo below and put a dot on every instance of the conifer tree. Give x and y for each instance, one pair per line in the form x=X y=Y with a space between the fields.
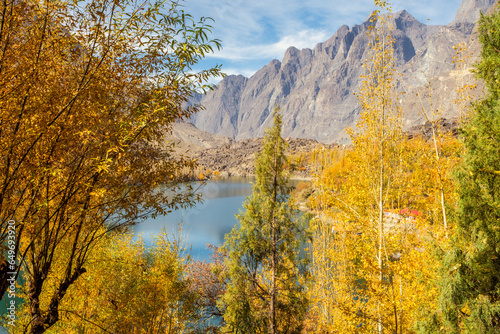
x=265 y=292
x=470 y=288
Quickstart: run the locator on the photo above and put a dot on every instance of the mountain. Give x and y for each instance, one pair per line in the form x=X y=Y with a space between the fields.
x=188 y=139
x=314 y=88
x=469 y=10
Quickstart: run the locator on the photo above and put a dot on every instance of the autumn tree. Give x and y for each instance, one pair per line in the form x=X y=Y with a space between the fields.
x=369 y=261
x=469 y=289
x=378 y=134
x=344 y=294
x=129 y=288
x=439 y=160
x=265 y=289
x=87 y=91
x=437 y=136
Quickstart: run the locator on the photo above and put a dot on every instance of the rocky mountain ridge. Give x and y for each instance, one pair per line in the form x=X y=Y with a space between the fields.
x=314 y=87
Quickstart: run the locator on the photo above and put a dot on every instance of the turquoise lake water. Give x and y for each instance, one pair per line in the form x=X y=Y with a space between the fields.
x=207 y=222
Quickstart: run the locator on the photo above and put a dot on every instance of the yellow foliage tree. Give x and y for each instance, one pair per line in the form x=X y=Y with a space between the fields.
x=347 y=291
x=371 y=256
x=87 y=91
x=129 y=288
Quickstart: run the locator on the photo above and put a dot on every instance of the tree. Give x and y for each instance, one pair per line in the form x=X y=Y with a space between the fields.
x=378 y=136
x=129 y=288
x=266 y=274
x=437 y=137
x=470 y=287
x=369 y=258
x=208 y=282
x=87 y=91
x=441 y=165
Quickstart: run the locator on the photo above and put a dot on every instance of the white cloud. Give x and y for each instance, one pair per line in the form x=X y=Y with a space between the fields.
x=303 y=39
x=240 y=22
x=247 y=72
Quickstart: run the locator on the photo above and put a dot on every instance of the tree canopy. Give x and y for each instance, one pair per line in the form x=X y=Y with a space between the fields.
x=470 y=285
x=87 y=91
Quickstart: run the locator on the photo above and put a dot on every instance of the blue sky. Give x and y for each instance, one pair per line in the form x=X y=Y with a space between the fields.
x=253 y=32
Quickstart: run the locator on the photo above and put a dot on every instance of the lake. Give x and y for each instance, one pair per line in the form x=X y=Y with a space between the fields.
x=207 y=222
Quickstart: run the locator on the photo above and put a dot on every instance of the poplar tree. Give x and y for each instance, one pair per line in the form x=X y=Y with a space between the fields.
x=365 y=251
x=470 y=288
x=265 y=292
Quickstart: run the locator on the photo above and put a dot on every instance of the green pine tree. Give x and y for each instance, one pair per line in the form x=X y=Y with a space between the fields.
x=266 y=280
x=470 y=284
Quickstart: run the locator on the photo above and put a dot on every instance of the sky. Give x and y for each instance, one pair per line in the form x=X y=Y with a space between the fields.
x=254 y=32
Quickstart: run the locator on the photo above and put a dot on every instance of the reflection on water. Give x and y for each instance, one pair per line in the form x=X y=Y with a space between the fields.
x=228 y=187
x=207 y=222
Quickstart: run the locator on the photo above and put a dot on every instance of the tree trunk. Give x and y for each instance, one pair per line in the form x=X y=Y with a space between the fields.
x=273 y=279
x=441 y=190
x=381 y=235
x=41 y=323
x=381 y=204
x=274 y=248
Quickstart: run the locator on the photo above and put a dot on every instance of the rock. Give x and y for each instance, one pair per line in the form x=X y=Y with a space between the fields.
x=239 y=158
x=314 y=88
x=229 y=157
x=188 y=137
x=469 y=10
x=425 y=130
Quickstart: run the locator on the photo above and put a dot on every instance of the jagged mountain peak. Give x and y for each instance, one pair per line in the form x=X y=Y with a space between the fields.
x=405 y=21
x=297 y=57
x=231 y=79
x=314 y=88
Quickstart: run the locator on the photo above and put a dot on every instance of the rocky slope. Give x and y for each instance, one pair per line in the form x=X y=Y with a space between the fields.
x=230 y=157
x=314 y=88
x=227 y=156
x=238 y=158
x=188 y=138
